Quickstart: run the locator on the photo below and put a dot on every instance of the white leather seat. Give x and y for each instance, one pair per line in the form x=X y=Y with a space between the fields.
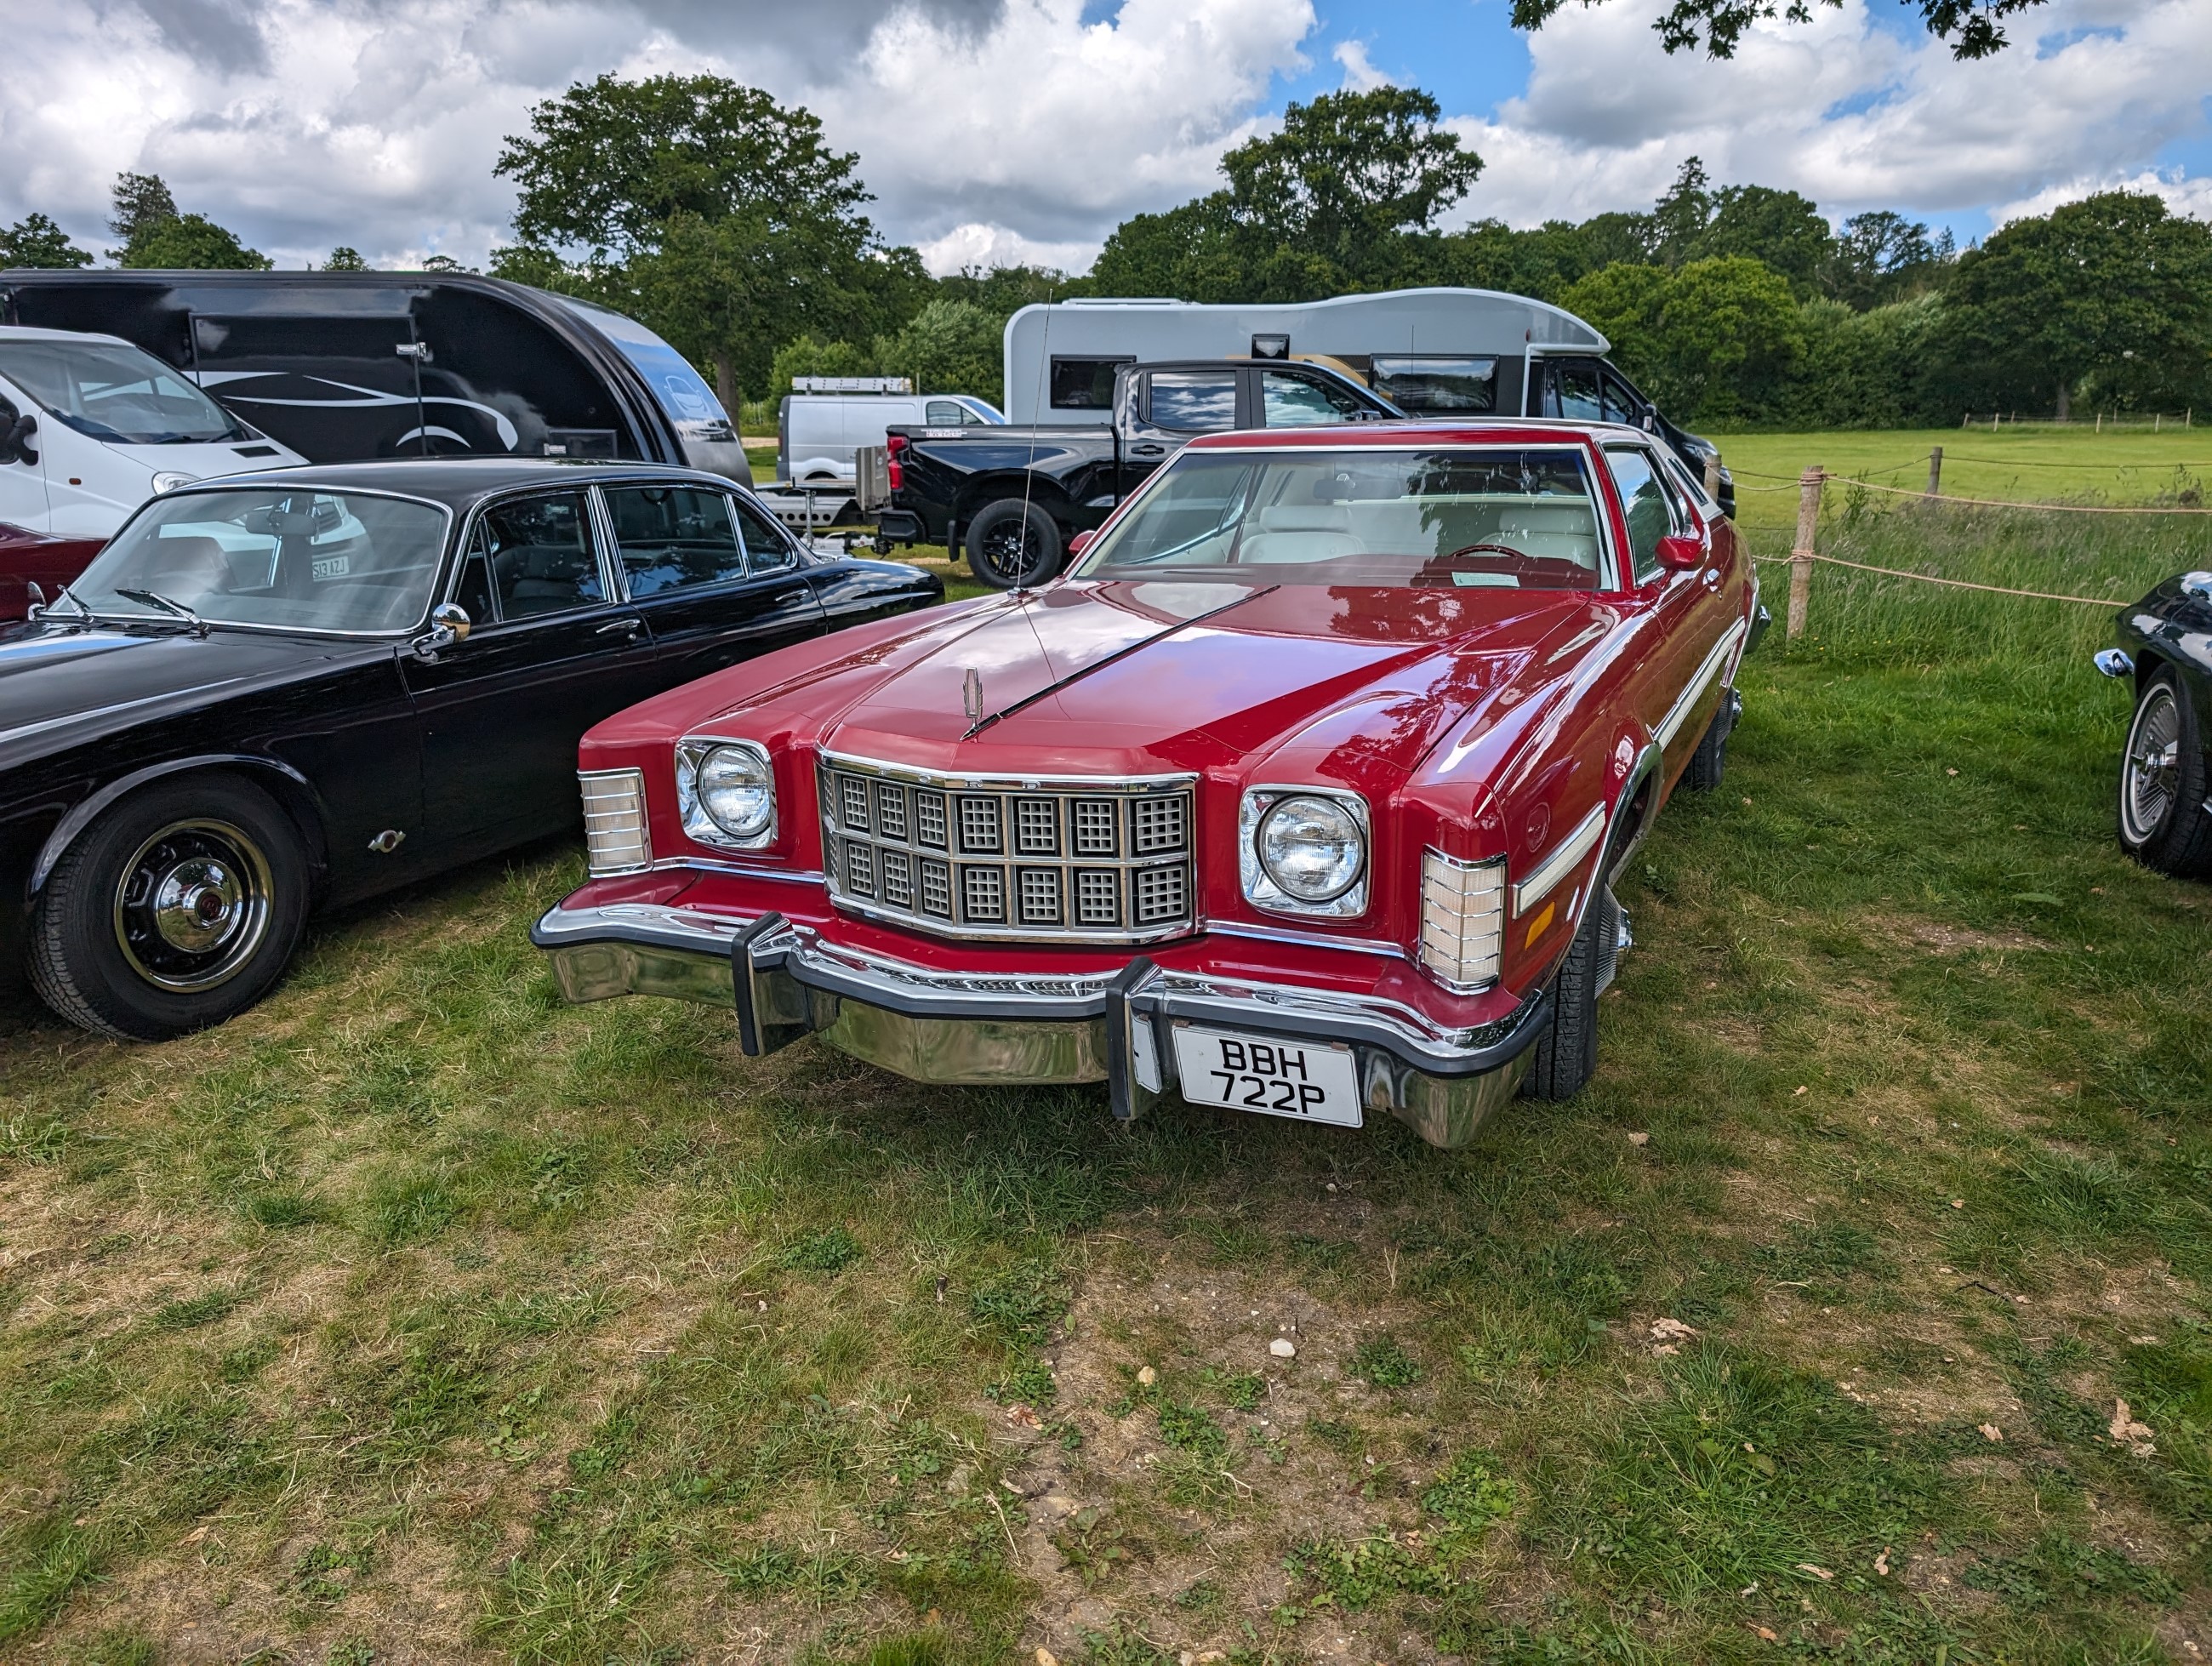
x=1564 y=532
x=1302 y=532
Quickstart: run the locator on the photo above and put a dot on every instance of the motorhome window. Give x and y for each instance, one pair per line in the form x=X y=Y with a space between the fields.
x=1460 y=517
x=542 y=556
x=768 y=549
x=115 y=393
x=1620 y=404
x=1645 y=502
x=1570 y=390
x=1196 y=401
x=673 y=538
x=301 y=560
x=1431 y=383
x=1290 y=400
x=1084 y=383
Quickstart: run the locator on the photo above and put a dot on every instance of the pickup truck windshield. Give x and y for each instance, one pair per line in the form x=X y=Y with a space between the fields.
x=1520 y=518
x=289 y=559
x=115 y=393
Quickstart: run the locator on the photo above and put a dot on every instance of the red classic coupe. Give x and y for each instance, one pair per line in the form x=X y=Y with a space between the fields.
x=1299 y=794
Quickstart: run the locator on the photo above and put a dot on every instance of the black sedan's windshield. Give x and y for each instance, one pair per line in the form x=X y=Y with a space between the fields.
x=115 y=393
x=293 y=558
x=1515 y=517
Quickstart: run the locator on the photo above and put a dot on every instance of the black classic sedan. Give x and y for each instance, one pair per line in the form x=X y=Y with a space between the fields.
x=2166 y=771
x=283 y=691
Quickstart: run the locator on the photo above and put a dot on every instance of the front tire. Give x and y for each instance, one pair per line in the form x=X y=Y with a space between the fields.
x=1012 y=544
x=1565 y=1057
x=2163 y=821
x=1706 y=765
x=176 y=909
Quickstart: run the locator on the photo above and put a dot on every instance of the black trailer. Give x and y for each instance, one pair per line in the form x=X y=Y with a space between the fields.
x=343 y=366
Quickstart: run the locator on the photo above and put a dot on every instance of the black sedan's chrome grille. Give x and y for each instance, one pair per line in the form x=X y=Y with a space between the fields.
x=1104 y=861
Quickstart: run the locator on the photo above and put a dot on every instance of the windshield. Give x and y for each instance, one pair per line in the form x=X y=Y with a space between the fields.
x=1513 y=517
x=115 y=393
x=289 y=558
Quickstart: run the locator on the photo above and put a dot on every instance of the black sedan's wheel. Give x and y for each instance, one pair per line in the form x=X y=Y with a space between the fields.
x=1011 y=543
x=2163 y=821
x=176 y=909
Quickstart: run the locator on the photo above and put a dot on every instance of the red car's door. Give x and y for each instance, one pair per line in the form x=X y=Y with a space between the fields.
x=1677 y=631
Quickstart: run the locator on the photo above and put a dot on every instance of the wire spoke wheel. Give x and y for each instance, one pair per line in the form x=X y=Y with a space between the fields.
x=2149 y=779
x=192 y=905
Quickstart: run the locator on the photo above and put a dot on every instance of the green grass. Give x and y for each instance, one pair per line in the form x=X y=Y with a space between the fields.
x=417 y=1315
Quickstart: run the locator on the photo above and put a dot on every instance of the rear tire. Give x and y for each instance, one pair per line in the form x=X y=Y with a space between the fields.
x=175 y=909
x=1565 y=1057
x=2163 y=823
x=1710 y=761
x=1012 y=544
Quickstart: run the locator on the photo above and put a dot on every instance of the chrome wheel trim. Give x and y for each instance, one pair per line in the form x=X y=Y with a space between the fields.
x=192 y=905
x=2151 y=766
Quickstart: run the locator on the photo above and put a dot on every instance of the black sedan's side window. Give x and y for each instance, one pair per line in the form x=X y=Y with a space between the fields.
x=530 y=557
x=768 y=549
x=673 y=538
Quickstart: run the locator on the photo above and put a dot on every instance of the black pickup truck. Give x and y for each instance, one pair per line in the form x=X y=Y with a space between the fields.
x=1017 y=495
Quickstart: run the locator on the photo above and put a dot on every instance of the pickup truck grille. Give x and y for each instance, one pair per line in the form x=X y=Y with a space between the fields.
x=1108 y=861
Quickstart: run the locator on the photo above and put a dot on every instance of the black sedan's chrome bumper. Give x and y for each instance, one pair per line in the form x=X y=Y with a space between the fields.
x=785 y=981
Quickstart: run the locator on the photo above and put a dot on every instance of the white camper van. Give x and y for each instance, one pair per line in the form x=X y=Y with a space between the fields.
x=826 y=419
x=91 y=426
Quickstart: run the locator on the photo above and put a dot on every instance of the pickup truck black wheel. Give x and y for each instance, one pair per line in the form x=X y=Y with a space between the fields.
x=176 y=908
x=1702 y=772
x=1565 y=1057
x=1011 y=543
x=2163 y=821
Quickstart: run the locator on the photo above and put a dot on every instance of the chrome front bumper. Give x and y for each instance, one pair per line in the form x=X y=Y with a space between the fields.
x=785 y=981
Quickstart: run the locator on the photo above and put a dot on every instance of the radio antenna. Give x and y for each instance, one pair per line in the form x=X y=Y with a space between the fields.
x=1029 y=474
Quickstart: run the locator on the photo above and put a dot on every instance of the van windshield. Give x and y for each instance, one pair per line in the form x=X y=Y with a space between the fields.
x=1522 y=518
x=289 y=558
x=115 y=393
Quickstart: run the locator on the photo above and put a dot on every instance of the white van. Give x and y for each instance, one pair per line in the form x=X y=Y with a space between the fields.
x=91 y=426
x=816 y=434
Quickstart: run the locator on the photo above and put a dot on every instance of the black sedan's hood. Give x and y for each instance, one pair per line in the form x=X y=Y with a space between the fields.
x=58 y=684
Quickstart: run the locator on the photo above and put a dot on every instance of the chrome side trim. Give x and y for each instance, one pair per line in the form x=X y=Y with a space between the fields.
x=1671 y=725
x=1560 y=863
x=751 y=871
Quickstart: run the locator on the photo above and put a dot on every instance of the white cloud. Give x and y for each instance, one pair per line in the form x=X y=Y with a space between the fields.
x=975 y=244
x=1360 y=75
x=2183 y=195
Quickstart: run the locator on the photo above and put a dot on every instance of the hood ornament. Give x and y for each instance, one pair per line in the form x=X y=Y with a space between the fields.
x=972 y=695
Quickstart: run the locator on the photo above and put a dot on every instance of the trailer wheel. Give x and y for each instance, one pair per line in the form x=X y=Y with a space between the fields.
x=1011 y=543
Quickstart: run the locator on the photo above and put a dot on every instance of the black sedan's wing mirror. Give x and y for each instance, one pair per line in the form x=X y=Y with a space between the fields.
x=16 y=440
x=449 y=626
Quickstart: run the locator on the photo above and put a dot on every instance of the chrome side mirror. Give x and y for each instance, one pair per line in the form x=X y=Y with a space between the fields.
x=449 y=626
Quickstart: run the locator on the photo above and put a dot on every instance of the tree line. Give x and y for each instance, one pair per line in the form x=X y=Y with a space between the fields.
x=727 y=223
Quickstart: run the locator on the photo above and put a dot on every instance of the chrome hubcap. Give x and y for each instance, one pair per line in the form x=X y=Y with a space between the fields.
x=2154 y=761
x=192 y=905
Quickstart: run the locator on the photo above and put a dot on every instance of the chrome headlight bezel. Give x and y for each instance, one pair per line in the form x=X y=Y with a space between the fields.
x=1260 y=886
x=701 y=824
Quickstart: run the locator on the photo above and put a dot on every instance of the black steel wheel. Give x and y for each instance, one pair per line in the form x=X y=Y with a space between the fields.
x=176 y=908
x=1011 y=543
x=2163 y=821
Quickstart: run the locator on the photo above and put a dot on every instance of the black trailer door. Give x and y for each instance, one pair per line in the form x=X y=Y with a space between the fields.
x=335 y=388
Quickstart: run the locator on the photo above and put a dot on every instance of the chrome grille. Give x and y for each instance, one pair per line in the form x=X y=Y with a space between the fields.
x=1104 y=861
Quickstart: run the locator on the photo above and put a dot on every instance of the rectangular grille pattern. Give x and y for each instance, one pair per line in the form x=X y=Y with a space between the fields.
x=1113 y=861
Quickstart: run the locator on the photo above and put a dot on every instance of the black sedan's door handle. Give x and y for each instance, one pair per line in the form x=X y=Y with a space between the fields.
x=1148 y=449
x=628 y=628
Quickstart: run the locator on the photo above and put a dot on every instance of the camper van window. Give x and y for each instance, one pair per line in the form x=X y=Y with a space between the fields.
x=1084 y=383
x=1621 y=405
x=1195 y=401
x=1295 y=401
x=1419 y=384
x=1570 y=390
x=115 y=393
x=674 y=537
x=767 y=549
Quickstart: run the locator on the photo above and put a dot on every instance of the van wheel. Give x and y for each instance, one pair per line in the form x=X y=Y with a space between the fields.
x=1011 y=543
x=176 y=909
x=2163 y=821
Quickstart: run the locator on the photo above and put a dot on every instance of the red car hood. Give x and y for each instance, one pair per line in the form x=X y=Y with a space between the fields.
x=1129 y=677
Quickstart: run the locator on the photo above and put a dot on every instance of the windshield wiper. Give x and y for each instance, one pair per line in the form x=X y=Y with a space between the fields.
x=199 y=626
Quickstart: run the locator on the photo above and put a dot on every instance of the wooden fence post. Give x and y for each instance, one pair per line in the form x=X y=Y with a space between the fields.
x=1801 y=557
x=1934 y=471
x=1713 y=476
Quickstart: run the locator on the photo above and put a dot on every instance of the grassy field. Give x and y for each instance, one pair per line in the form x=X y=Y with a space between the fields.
x=416 y=1316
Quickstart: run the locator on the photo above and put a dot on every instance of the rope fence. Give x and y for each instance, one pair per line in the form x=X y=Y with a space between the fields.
x=1929 y=578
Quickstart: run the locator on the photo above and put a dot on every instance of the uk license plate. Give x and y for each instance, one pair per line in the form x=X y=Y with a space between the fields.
x=1311 y=1083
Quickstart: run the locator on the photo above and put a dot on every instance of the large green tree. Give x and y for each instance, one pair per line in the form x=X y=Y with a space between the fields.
x=155 y=236
x=1713 y=339
x=36 y=240
x=721 y=216
x=2112 y=295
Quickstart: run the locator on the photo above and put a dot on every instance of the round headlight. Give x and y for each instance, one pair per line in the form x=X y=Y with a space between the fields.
x=1312 y=847
x=736 y=789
